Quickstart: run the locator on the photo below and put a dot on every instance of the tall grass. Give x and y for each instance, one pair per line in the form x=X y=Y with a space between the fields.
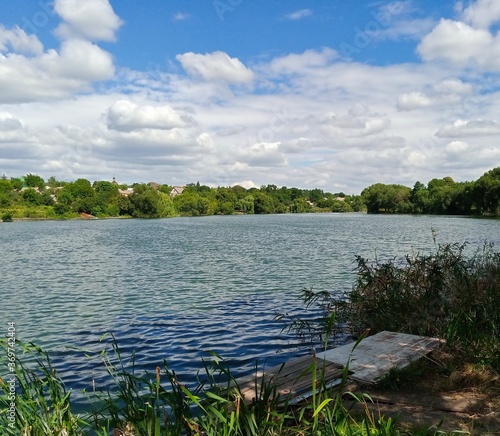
x=41 y=404
x=160 y=405
x=447 y=294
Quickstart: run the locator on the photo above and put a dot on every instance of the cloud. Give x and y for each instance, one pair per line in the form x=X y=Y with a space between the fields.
x=414 y=28
x=473 y=128
x=53 y=74
x=262 y=154
x=461 y=45
x=18 y=41
x=299 y=15
x=12 y=130
x=294 y=63
x=482 y=14
x=126 y=116
x=9 y=123
x=457 y=148
x=93 y=20
x=216 y=66
x=81 y=60
x=447 y=92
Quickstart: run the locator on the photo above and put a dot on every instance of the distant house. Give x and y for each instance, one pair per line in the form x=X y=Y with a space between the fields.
x=126 y=192
x=176 y=190
x=36 y=189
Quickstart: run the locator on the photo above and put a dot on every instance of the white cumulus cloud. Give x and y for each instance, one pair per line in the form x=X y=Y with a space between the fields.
x=461 y=45
x=94 y=20
x=126 y=116
x=18 y=41
x=53 y=74
x=216 y=66
x=482 y=13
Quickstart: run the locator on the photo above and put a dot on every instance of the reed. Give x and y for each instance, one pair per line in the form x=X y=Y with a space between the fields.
x=160 y=405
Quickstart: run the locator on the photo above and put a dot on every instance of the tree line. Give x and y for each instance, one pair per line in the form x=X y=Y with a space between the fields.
x=439 y=196
x=32 y=196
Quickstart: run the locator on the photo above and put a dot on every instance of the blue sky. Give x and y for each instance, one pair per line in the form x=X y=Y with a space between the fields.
x=328 y=94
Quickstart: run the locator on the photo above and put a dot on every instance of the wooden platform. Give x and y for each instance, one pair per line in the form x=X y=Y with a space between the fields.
x=292 y=380
x=371 y=359
x=377 y=354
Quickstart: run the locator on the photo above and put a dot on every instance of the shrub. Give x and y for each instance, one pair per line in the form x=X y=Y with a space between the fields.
x=446 y=294
x=7 y=217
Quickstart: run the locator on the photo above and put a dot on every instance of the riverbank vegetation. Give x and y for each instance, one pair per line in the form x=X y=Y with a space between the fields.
x=33 y=197
x=447 y=294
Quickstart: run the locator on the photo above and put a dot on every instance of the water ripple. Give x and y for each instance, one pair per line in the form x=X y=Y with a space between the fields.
x=177 y=289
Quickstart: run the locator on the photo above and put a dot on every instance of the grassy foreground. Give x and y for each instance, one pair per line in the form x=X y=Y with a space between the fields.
x=446 y=294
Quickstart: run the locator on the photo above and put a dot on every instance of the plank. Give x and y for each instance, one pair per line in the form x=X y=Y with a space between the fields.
x=291 y=379
x=376 y=355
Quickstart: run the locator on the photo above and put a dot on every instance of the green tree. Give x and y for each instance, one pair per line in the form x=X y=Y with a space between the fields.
x=32 y=197
x=16 y=183
x=300 y=205
x=381 y=198
x=5 y=186
x=341 y=206
x=34 y=181
x=486 y=193
x=150 y=203
x=246 y=204
x=263 y=203
x=107 y=197
x=192 y=203
x=420 y=198
x=226 y=201
x=5 y=201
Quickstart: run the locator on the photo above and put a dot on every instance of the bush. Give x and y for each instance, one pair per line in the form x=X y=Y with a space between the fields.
x=446 y=294
x=7 y=217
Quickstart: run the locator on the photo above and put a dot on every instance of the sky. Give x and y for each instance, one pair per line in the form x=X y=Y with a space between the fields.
x=322 y=94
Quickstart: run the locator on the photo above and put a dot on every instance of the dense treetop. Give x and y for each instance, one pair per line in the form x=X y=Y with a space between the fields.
x=32 y=196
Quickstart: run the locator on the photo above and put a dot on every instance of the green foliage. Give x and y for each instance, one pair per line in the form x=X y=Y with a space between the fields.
x=192 y=203
x=246 y=204
x=263 y=203
x=340 y=206
x=42 y=403
x=17 y=184
x=440 y=196
x=487 y=193
x=34 y=181
x=147 y=202
x=5 y=186
x=32 y=197
x=300 y=205
x=380 y=198
x=400 y=378
x=7 y=217
x=5 y=200
x=446 y=294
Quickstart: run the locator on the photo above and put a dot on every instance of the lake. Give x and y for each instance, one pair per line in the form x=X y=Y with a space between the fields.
x=175 y=288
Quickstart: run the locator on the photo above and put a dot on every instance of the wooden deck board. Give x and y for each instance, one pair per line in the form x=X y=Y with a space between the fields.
x=291 y=379
x=377 y=354
x=373 y=357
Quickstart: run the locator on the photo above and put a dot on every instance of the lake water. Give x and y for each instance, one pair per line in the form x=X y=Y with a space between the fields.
x=174 y=288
